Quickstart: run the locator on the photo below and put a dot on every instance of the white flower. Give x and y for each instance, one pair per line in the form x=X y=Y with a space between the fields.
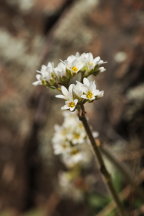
x=90 y=91
x=77 y=136
x=73 y=157
x=41 y=76
x=39 y=81
x=78 y=89
x=60 y=144
x=70 y=102
x=61 y=147
x=91 y=64
x=45 y=75
x=70 y=105
x=74 y=63
x=88 y=61
x=60 y=70
x=67 y=94
x=99 y=61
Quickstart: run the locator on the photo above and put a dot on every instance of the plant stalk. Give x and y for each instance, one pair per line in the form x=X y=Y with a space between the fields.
x=123 y=170
x=103 y=169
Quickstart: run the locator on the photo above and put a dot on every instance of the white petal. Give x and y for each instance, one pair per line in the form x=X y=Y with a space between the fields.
x=65 y=107
x=93 y=86
x=71 y=88
x=38 y=76
x=60 y=96
x=38 y=71
x=101 y=94
x=76 y=101
x=72 y=108
x=86 y=82
x=43 y=67
x=102 y=69
x=97 y=59
x=36 y=83
x=64 y=91
x=84 y=96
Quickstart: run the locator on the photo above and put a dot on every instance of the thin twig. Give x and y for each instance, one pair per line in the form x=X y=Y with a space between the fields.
x=103 y=168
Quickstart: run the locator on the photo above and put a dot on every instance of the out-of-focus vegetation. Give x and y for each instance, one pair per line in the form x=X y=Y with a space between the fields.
x=33 y=33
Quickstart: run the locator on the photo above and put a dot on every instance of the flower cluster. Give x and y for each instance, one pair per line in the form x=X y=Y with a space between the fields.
x=61 y=78
x=79 y=94
x=70 y=140
x=61 y=74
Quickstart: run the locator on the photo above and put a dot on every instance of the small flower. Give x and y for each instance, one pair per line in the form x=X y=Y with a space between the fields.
x=60 y=72
x=42 y=76
x=66 y=94
x=61 y=147
x=88 y=60
x=45 y=76
x=60 y=144
x=39 y=81
x=70 y=102
x=78 y=89
x=70 y=105
x=91 y=64
x=77 y=137
x=90 y=91
x=74 y=64
x=74 y=157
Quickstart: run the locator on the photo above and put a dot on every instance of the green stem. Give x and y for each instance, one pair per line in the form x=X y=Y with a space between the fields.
x=103 y=169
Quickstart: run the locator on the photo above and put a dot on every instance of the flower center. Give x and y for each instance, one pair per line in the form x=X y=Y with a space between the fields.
x=75 y=69
x=64 y=145
x=74 y=151
x=76 y=135
x=71 y=104
x=89 y=95
x=90 y=63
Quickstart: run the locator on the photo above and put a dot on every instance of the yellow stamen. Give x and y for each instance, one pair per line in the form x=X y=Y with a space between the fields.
x=75 y=69
x=74 y=151
x=89 y=95
x=64 y=145
x=76 y=135
x=71 y=104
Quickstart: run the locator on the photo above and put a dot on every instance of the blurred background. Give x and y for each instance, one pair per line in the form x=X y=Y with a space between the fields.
x=33 y=32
